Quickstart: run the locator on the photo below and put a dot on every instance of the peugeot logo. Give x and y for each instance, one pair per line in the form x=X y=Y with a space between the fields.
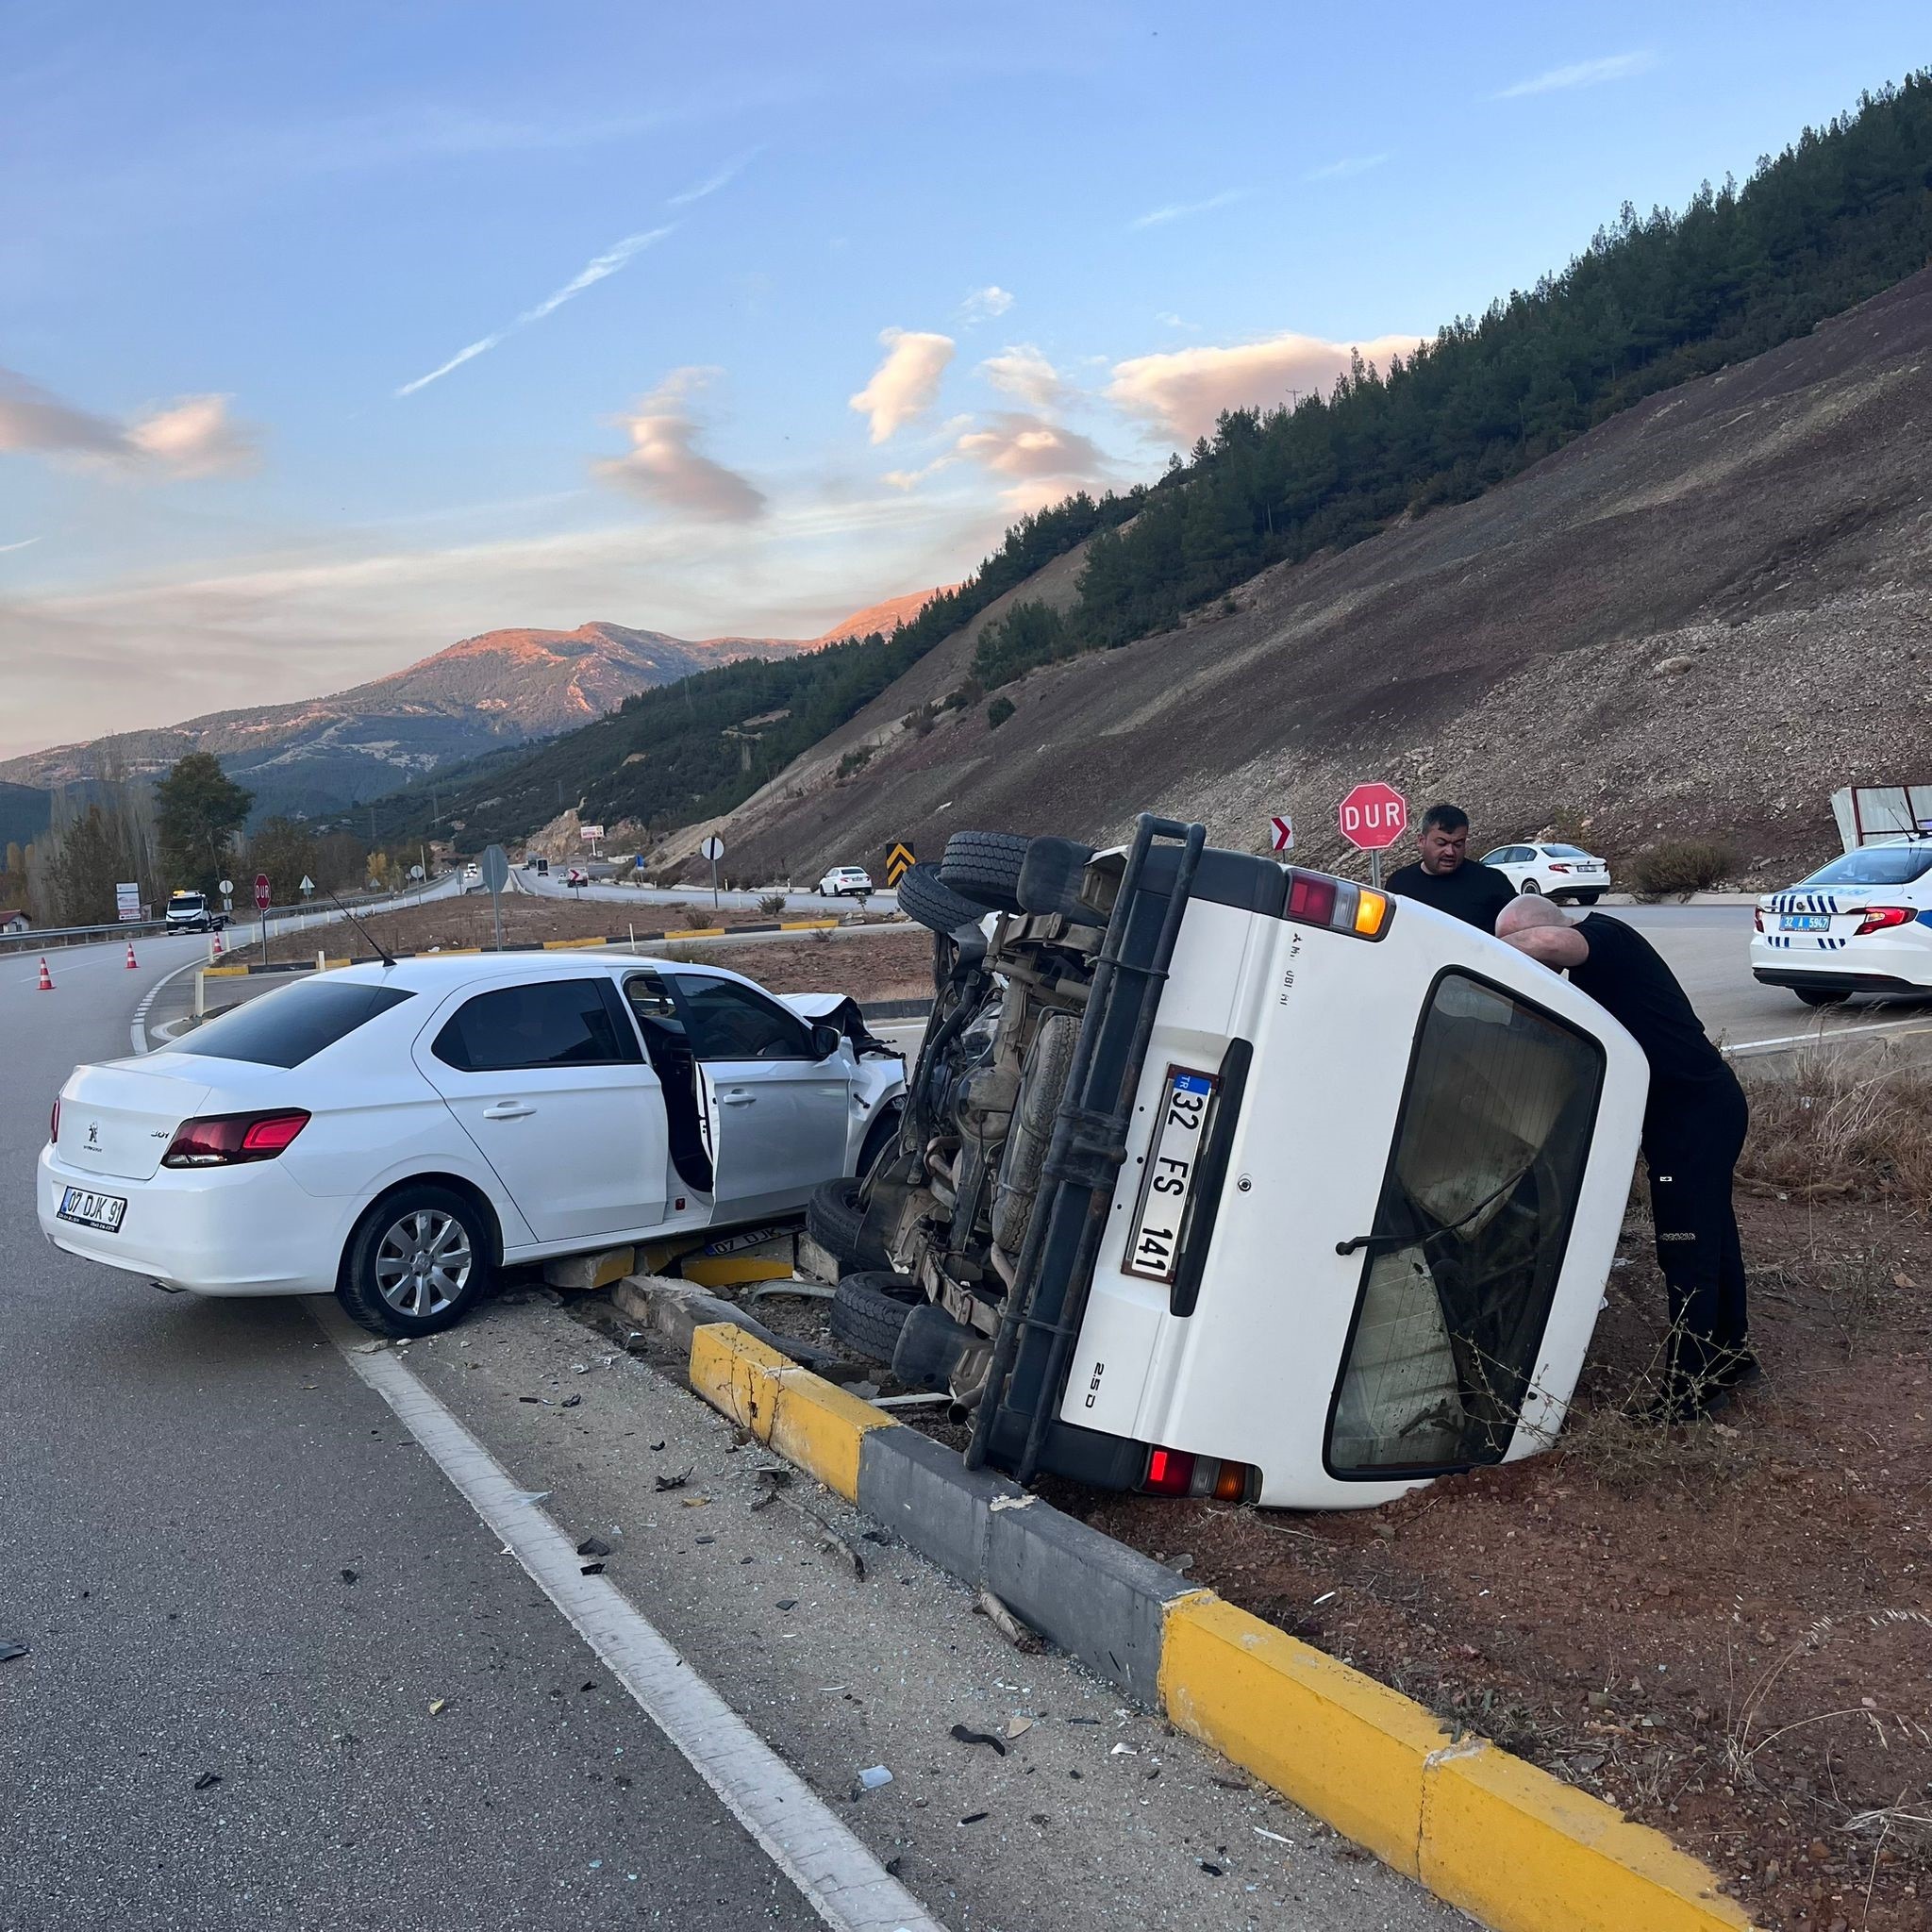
x=93 y=1133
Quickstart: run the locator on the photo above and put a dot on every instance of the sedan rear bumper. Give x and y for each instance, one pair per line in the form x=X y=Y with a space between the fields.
x=218 y=1231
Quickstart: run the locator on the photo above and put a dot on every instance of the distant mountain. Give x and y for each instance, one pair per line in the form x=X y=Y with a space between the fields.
x=23 y=814
x=496 y=692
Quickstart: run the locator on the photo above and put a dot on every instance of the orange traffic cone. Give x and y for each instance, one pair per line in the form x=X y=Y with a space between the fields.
x=216 y=954
x=46 y=978
x=130 y=955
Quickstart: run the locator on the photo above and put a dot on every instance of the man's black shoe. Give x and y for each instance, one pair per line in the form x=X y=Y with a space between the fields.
x=1738 y=1369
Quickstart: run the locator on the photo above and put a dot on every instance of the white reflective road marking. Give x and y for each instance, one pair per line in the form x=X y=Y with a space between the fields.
x=840 y=1880
x=1915 y=1024
x=137 y=1027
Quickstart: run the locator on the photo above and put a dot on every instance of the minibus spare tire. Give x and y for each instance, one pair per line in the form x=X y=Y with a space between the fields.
x=869 y=1309
x=986 y=866
x=926 y=897
x=834 y=1218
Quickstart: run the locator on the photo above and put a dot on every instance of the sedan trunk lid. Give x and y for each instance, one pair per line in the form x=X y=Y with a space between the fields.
x=117 y=1120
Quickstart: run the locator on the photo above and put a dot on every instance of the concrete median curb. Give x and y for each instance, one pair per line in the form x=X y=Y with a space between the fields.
x=1487 y=1831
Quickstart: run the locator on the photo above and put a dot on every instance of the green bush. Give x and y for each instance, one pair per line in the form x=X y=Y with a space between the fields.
x=999 y=711
x=1681 y=865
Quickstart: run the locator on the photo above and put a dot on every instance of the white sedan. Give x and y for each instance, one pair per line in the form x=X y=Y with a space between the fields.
x=1564 y=871
x=394 y=1134
x=1862 y=923
x=844 y=881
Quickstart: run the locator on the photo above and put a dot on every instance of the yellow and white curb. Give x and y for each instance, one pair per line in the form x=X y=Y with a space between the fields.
x=1485 y=1830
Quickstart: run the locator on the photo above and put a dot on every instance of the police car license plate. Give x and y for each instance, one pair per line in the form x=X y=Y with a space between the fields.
x=1805 y=922
x=94 y=1210
x=1173 y=1159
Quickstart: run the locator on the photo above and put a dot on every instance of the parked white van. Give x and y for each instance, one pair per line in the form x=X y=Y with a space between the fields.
x=1222 y=1177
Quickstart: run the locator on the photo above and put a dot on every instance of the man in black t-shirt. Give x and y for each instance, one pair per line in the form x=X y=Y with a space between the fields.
x=1445 y=877
x=1693 y=1131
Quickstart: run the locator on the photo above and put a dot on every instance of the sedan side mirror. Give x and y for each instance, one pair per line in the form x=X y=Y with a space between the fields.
x=826 y=1041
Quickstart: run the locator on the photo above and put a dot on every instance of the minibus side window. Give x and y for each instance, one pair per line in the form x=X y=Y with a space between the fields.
x=1470 y=1234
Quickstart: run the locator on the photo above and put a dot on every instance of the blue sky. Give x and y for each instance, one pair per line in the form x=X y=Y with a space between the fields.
x=1041 y=245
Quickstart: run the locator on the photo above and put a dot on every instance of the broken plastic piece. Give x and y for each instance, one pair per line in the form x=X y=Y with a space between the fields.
x=208 y=1780
x=593 y=1546
x=873 y=1777
x=985 y=1737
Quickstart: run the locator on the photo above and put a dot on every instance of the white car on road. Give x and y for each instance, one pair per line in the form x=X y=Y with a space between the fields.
x=844 y=881
x=394 y=1134
x=1862 y=923
x=1564 y=872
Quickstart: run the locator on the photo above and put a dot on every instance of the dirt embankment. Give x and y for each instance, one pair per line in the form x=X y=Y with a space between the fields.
x=1703 y=617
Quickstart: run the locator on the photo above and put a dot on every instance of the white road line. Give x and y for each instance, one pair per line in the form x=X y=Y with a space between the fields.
x=137 y=1027
x=840 y=1880
x=1821 y=1039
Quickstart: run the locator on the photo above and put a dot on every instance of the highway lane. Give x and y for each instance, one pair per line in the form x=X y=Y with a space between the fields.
x=798 y=903
x=189 y=1488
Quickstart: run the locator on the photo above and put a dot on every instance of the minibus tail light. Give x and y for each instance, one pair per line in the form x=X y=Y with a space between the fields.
x=1176 y=1472
x=1315 y=899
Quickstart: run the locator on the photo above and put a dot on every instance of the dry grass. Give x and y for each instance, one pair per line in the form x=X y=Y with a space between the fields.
x=1844 y=1128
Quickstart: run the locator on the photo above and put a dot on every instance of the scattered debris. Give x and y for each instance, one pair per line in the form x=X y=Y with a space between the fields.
x=593 y=1546
x=705 y=1540
x=570 y=1402
x=694 y=1502
x=348 y=1577
x=437 y=1704
x=9 y=1651
x=1018 y=1726
x=675 y=1482
x=1016 y=1633
x=368 y=1348
x=787 y=1603
x=1012 y=1501
x=973 y=1816
x=1123 y=1751
x=589 y=1568
x=1262 y=1831
x=207 y=1781
x=873 y=1777
x=1212 y=1871
x=580 y=1368
x=985 y=1737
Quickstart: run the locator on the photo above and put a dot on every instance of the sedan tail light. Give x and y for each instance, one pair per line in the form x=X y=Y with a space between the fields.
x=1555 y=865
x=228 y=1140
x=1758 y=917
x=1881 y=918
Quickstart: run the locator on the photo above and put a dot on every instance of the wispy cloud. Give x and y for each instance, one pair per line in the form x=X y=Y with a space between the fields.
x=1342 y=170
x=1180 y=210
x=665 y=468
x=193 y=436
x=1040 y=460
x=591 y=272
x=1023 y=371
x=711 y=183
x=1581 y=73
x=24 y=543
x=983 y=305
x=1180 y=394
x=903 y=386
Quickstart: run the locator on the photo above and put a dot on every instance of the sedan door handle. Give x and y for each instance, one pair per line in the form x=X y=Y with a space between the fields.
x=739 y=1100
x=507 y=1110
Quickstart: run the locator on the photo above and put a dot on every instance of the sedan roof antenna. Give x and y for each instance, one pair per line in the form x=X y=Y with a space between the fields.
x=382 y=952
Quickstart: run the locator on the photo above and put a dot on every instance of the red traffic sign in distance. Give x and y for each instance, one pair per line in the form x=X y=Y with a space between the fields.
x=1281 y=830
x=1374 y=816
x=262 y=891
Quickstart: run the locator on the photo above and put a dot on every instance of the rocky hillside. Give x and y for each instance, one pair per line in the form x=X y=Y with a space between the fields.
x=1701 y=617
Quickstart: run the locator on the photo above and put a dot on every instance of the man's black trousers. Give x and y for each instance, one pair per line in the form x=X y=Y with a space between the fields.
x=1693 y=1152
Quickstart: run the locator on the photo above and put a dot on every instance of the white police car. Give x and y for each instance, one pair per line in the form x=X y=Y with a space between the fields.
x=1862 y=923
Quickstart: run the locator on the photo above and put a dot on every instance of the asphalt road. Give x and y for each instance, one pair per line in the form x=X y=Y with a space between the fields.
x=798 y=903
x=280 y=1675
x=1707 y=948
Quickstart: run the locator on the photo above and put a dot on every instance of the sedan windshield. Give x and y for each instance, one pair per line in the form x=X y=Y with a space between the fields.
x=1877 y=865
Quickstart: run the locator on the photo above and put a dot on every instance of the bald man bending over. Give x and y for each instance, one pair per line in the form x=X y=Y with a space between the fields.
x=1693 y=1131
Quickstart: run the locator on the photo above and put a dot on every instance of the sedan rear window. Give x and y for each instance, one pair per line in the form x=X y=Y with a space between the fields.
x=293 y=1024
x=1566 y=852
x=1876 y=865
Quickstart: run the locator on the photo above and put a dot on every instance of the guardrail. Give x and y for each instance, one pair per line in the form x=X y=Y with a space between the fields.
x=241 y=922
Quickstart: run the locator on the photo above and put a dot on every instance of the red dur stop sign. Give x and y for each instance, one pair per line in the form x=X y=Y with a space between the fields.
x=1374 y=816
x=262 y=891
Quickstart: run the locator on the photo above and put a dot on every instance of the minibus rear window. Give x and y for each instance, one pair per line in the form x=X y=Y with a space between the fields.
x=1470 y=1234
